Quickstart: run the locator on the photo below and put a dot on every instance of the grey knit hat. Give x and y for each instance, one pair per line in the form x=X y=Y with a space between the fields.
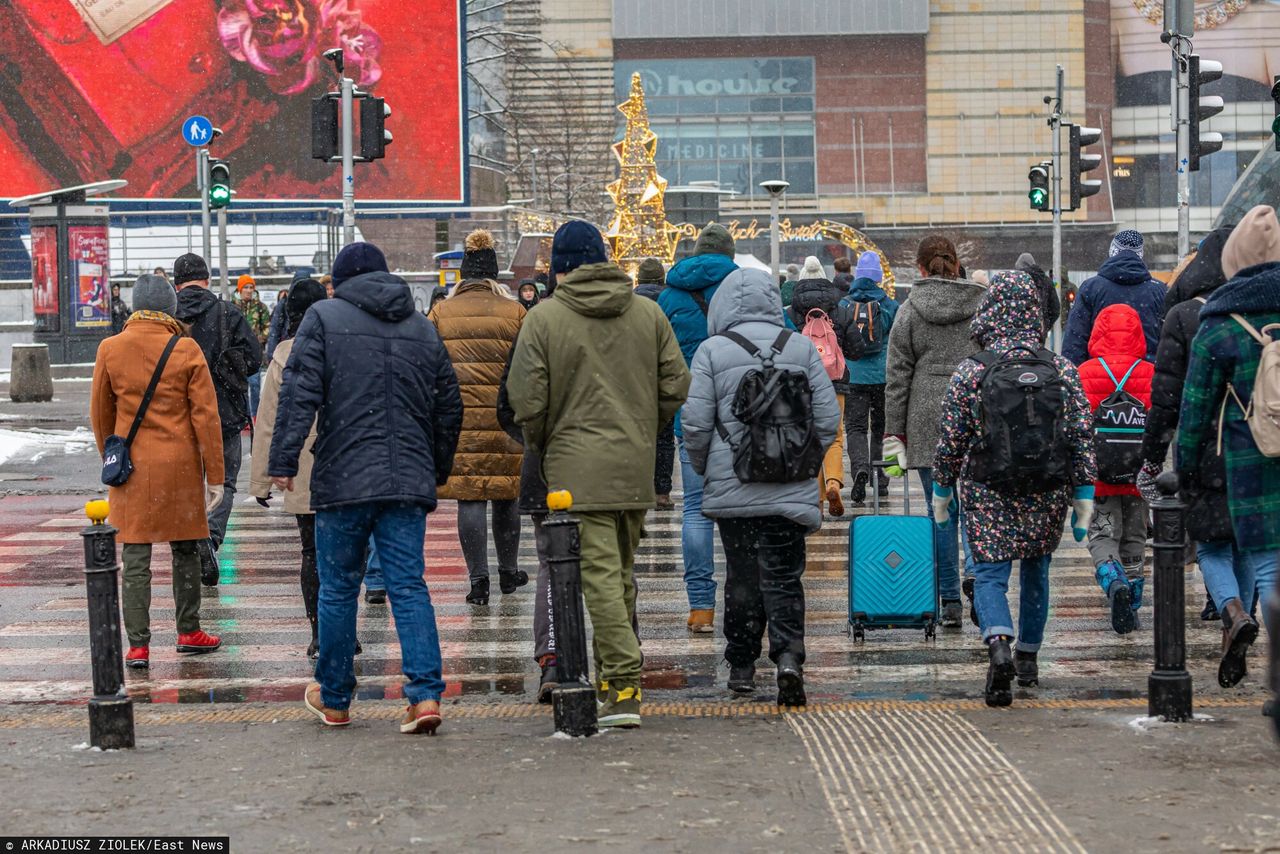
x=153 y=293
x=651 y=272
x=715 y=239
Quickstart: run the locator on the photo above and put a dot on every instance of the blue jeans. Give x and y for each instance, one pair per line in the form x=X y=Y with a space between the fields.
x=1266 y=566
x=1232 y=574
x=697 y=540
x=398 y=527
x=990 y=597
x=373 y=570
x=255 y=393
x=946 y=546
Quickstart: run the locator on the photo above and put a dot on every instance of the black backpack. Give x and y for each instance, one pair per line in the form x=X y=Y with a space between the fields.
x=868 y=319
x=1118 y=424
x=1023 y=448
x=779 y=443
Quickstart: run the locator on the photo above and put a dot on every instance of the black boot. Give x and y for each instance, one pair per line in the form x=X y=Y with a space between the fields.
x=1239 y=631
x=1000 y=673
x=742 y=679
x=1028 y=669
x=1209 y=612
x=790 y=681
x=967 y=587
x=209 y=569
x=510 y=582
x=313 y=648
x=479 y=594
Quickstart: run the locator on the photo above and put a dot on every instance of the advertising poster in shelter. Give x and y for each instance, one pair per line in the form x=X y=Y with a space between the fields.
x=44 y=277
x=88 y=250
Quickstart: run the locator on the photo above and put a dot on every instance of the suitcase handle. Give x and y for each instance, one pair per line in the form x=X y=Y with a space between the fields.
x=906 y=489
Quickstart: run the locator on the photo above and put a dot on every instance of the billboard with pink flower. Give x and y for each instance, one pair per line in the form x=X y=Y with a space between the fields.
x=96 y=89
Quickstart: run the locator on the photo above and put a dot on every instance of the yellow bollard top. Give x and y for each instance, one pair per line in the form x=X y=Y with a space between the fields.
x=97 y=511
x=559 y=501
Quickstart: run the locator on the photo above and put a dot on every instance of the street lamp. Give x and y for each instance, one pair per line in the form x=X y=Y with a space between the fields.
x=775 y=189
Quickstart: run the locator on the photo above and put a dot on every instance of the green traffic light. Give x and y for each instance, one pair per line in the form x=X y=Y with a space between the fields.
x=219 y=196
x=1275 y=126
x=1038 y=197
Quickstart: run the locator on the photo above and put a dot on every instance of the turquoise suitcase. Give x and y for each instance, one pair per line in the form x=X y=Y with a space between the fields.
x=893 y=579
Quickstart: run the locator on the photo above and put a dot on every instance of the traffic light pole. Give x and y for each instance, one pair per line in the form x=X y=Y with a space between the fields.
x=202 y=187
x=348 y=162
x=1055 y=122
x=222 y=252
x=1182 y=124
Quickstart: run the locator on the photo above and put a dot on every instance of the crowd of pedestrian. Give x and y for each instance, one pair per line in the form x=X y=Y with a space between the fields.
x=369 y=412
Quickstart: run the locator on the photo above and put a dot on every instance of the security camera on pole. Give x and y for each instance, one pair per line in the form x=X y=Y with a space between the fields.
x=775 y=189
x=325 y=124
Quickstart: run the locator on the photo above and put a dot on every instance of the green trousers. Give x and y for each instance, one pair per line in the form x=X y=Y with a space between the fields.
x=137 y=589
x=609 y=540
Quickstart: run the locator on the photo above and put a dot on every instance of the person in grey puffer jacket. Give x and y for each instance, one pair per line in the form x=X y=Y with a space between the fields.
x=929 y=338
x=762 y=525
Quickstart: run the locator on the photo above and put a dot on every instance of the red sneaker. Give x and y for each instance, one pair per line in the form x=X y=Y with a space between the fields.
x=138 y=656
x=198 y=641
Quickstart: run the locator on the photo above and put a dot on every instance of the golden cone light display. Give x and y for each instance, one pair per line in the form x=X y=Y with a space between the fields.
x=639 y=228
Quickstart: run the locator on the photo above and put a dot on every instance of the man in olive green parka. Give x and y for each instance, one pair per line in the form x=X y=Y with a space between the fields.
x=595 y=374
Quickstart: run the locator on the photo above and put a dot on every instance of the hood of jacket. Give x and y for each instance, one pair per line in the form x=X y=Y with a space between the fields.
x=194 y=301
x=743 y=297
x=866 y=290
x=814 y=293
x=1009 y=314
x=1125 y=268
x=943 y=302
x=596 y=290
x=1254 y=290
x=1117 y=332
x=383 y=295
x=1204 y=273
x=700 y=272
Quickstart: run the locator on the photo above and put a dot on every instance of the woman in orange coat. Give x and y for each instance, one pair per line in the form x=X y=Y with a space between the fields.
x=176 y=452
x=479 y=323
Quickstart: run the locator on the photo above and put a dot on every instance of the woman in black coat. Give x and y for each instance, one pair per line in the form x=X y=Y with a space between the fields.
x=1208 y=517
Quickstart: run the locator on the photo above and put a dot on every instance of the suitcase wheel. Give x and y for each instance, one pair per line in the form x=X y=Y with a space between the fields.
x=859 y=634
x=930 y=632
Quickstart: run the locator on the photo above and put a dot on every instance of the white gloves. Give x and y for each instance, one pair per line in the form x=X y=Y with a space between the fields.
x=1081 y=512
x=895 y=453
x=212 y=497
x=944 y=505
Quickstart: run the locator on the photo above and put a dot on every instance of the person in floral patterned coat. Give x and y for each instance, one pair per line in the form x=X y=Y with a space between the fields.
x=1000 y=527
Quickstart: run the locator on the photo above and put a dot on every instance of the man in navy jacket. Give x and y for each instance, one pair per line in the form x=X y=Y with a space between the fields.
x=375 y=376
x=1122 y=279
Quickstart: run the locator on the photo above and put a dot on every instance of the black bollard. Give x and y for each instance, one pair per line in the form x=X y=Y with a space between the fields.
x=574 y=701
x=110 y=709
x=1169 y=686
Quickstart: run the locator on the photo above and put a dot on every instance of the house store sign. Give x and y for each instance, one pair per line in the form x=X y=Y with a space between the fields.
x=709 y=78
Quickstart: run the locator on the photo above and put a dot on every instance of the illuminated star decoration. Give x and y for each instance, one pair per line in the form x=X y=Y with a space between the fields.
x=639 y=228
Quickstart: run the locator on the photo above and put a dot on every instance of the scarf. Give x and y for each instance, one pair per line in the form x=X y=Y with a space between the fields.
x=171 y=323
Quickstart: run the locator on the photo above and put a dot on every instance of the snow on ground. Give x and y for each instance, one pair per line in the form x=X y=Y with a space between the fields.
x=33 y=445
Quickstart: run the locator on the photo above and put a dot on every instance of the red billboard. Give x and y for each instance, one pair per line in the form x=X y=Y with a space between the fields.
x=97 y=89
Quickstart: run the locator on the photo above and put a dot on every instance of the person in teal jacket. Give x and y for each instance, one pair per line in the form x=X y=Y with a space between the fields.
x=874 y=312
x=690 y=286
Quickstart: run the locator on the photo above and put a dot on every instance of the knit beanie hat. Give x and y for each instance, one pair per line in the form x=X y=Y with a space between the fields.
x=479 y=260
x=812 y=269
x=246 y=279
x=301 y=297
x=715 y=239
x=1127 y=239
x=357 y=259
x=651 y=272
x=869 y=267
x=153 y=293
x=577 y=243
x=189 y=268
x=1256 y=240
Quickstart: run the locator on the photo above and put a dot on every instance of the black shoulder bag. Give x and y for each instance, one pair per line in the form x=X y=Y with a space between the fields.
x=116 y=463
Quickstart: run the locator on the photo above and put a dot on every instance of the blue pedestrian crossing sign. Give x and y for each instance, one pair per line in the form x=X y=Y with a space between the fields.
x=197 y=130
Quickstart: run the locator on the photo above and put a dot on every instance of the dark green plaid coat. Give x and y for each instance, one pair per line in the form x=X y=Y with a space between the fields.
x=1224 y=352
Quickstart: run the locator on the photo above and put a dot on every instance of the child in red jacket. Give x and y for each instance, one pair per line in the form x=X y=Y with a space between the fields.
x=1117 y=381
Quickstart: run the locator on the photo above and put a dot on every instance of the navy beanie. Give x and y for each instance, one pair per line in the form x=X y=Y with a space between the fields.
x=356 y=259
x=577 y=243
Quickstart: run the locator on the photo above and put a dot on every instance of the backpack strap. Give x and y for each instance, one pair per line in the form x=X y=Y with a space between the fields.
x=780 y=343
x=743 y=342
x=1119 y=383
x=701 y=299
x=151 y=390
x=1248 y=327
